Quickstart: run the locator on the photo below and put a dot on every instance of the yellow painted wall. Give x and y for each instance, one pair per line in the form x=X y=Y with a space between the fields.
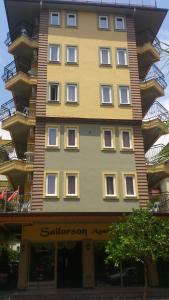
x=88 y=74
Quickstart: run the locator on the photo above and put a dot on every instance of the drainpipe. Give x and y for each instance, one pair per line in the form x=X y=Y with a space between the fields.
x=134 y=11
x=41 y=3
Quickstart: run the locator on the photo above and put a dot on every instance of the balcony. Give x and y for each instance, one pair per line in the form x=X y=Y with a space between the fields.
x=14 y=167
x=152 y=88
x=22 y=39
x=149 y=50
x=19 y=77
x=154 y=124
x=160 y=203
x=157 y=159
x=21 y=204
x=17 y=170
x=18 y=119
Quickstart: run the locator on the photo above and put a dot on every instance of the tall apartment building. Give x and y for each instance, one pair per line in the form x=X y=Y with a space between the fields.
x=80 y=92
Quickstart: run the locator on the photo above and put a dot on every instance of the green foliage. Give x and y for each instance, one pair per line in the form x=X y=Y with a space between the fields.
x=140 y=237
x=13 y=255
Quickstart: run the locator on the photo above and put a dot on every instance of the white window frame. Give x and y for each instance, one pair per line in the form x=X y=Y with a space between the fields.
x=50 y=53
x=125 y=57
x=114 y=185
x=123 y=23
x=56 y=184
x=76 y=184
x=130 y=139
x=109 y=57
x=128 y=95
x=134 y=185
x=67 y=92
x=107 y=22
x=112 y=138
x=51 y=14
x=56 y=139
x=110 y=94
x=67 y=54
x=67 y=137
x=67 y=19
x=58 y=85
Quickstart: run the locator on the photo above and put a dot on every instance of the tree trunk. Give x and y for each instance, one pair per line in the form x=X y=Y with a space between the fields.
x=145 y=280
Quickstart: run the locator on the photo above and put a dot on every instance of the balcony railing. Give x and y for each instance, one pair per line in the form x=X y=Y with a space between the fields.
x=21 y=29
x=157 y=111
x=21 y=64
x=128 y=3
x=21 y=204
x=148 y=36
x=160 y=202
x=11 y=107
x=156 y=74
x=157 y=154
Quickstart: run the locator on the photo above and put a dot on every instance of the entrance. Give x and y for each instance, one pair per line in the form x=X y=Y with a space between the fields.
x=42 y=262
x=69 y=265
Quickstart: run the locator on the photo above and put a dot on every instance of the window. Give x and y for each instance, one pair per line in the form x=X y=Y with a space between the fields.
x=124 y=95
x=103 y=22
x=55 y=18
x=54 y=92
x=126 y=139
x=71 y=54
x=120 y=23
x=106 y=94
x=105 y=56
x=72 y=182
x=122 y=57
x=71 y=137
x=107 y=137
x=51 y=185
x=54 y=53
x=130 y=185
x=53 y=138
x=71 y=20
x=72 y=93
x=110 y=189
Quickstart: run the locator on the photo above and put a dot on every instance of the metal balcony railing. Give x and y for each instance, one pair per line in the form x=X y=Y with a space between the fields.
x=160 y=202
x=20 y=64
x=128 y=3
x=157 y=111
x=7 y=110
x=21 y=204
x=156 y=74
x=157 y=154
x=21 y=29
x=11 y=107
x=148 y=36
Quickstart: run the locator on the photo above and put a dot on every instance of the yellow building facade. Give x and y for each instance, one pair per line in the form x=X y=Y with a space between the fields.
x=81 y=87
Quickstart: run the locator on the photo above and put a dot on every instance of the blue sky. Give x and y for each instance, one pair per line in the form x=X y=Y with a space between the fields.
x=5 y=58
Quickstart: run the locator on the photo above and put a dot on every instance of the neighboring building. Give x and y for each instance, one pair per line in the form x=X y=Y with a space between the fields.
x=81 y=89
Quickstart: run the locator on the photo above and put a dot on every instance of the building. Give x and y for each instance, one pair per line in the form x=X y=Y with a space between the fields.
x=81 y=87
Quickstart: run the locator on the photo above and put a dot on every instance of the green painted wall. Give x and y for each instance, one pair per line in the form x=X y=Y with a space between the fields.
x=90 y=161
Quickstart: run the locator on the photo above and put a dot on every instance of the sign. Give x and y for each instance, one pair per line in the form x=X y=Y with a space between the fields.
x=66 y=232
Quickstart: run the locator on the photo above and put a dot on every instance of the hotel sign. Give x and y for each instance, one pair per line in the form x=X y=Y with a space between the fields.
x=66 y=232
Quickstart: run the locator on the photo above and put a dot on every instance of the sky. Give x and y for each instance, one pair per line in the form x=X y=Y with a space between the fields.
x=5 y=58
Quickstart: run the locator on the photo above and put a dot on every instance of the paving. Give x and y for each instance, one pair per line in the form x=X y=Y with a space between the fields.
x=93 y=294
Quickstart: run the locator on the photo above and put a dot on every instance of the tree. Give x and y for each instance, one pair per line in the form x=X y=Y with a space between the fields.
x=141 y=237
